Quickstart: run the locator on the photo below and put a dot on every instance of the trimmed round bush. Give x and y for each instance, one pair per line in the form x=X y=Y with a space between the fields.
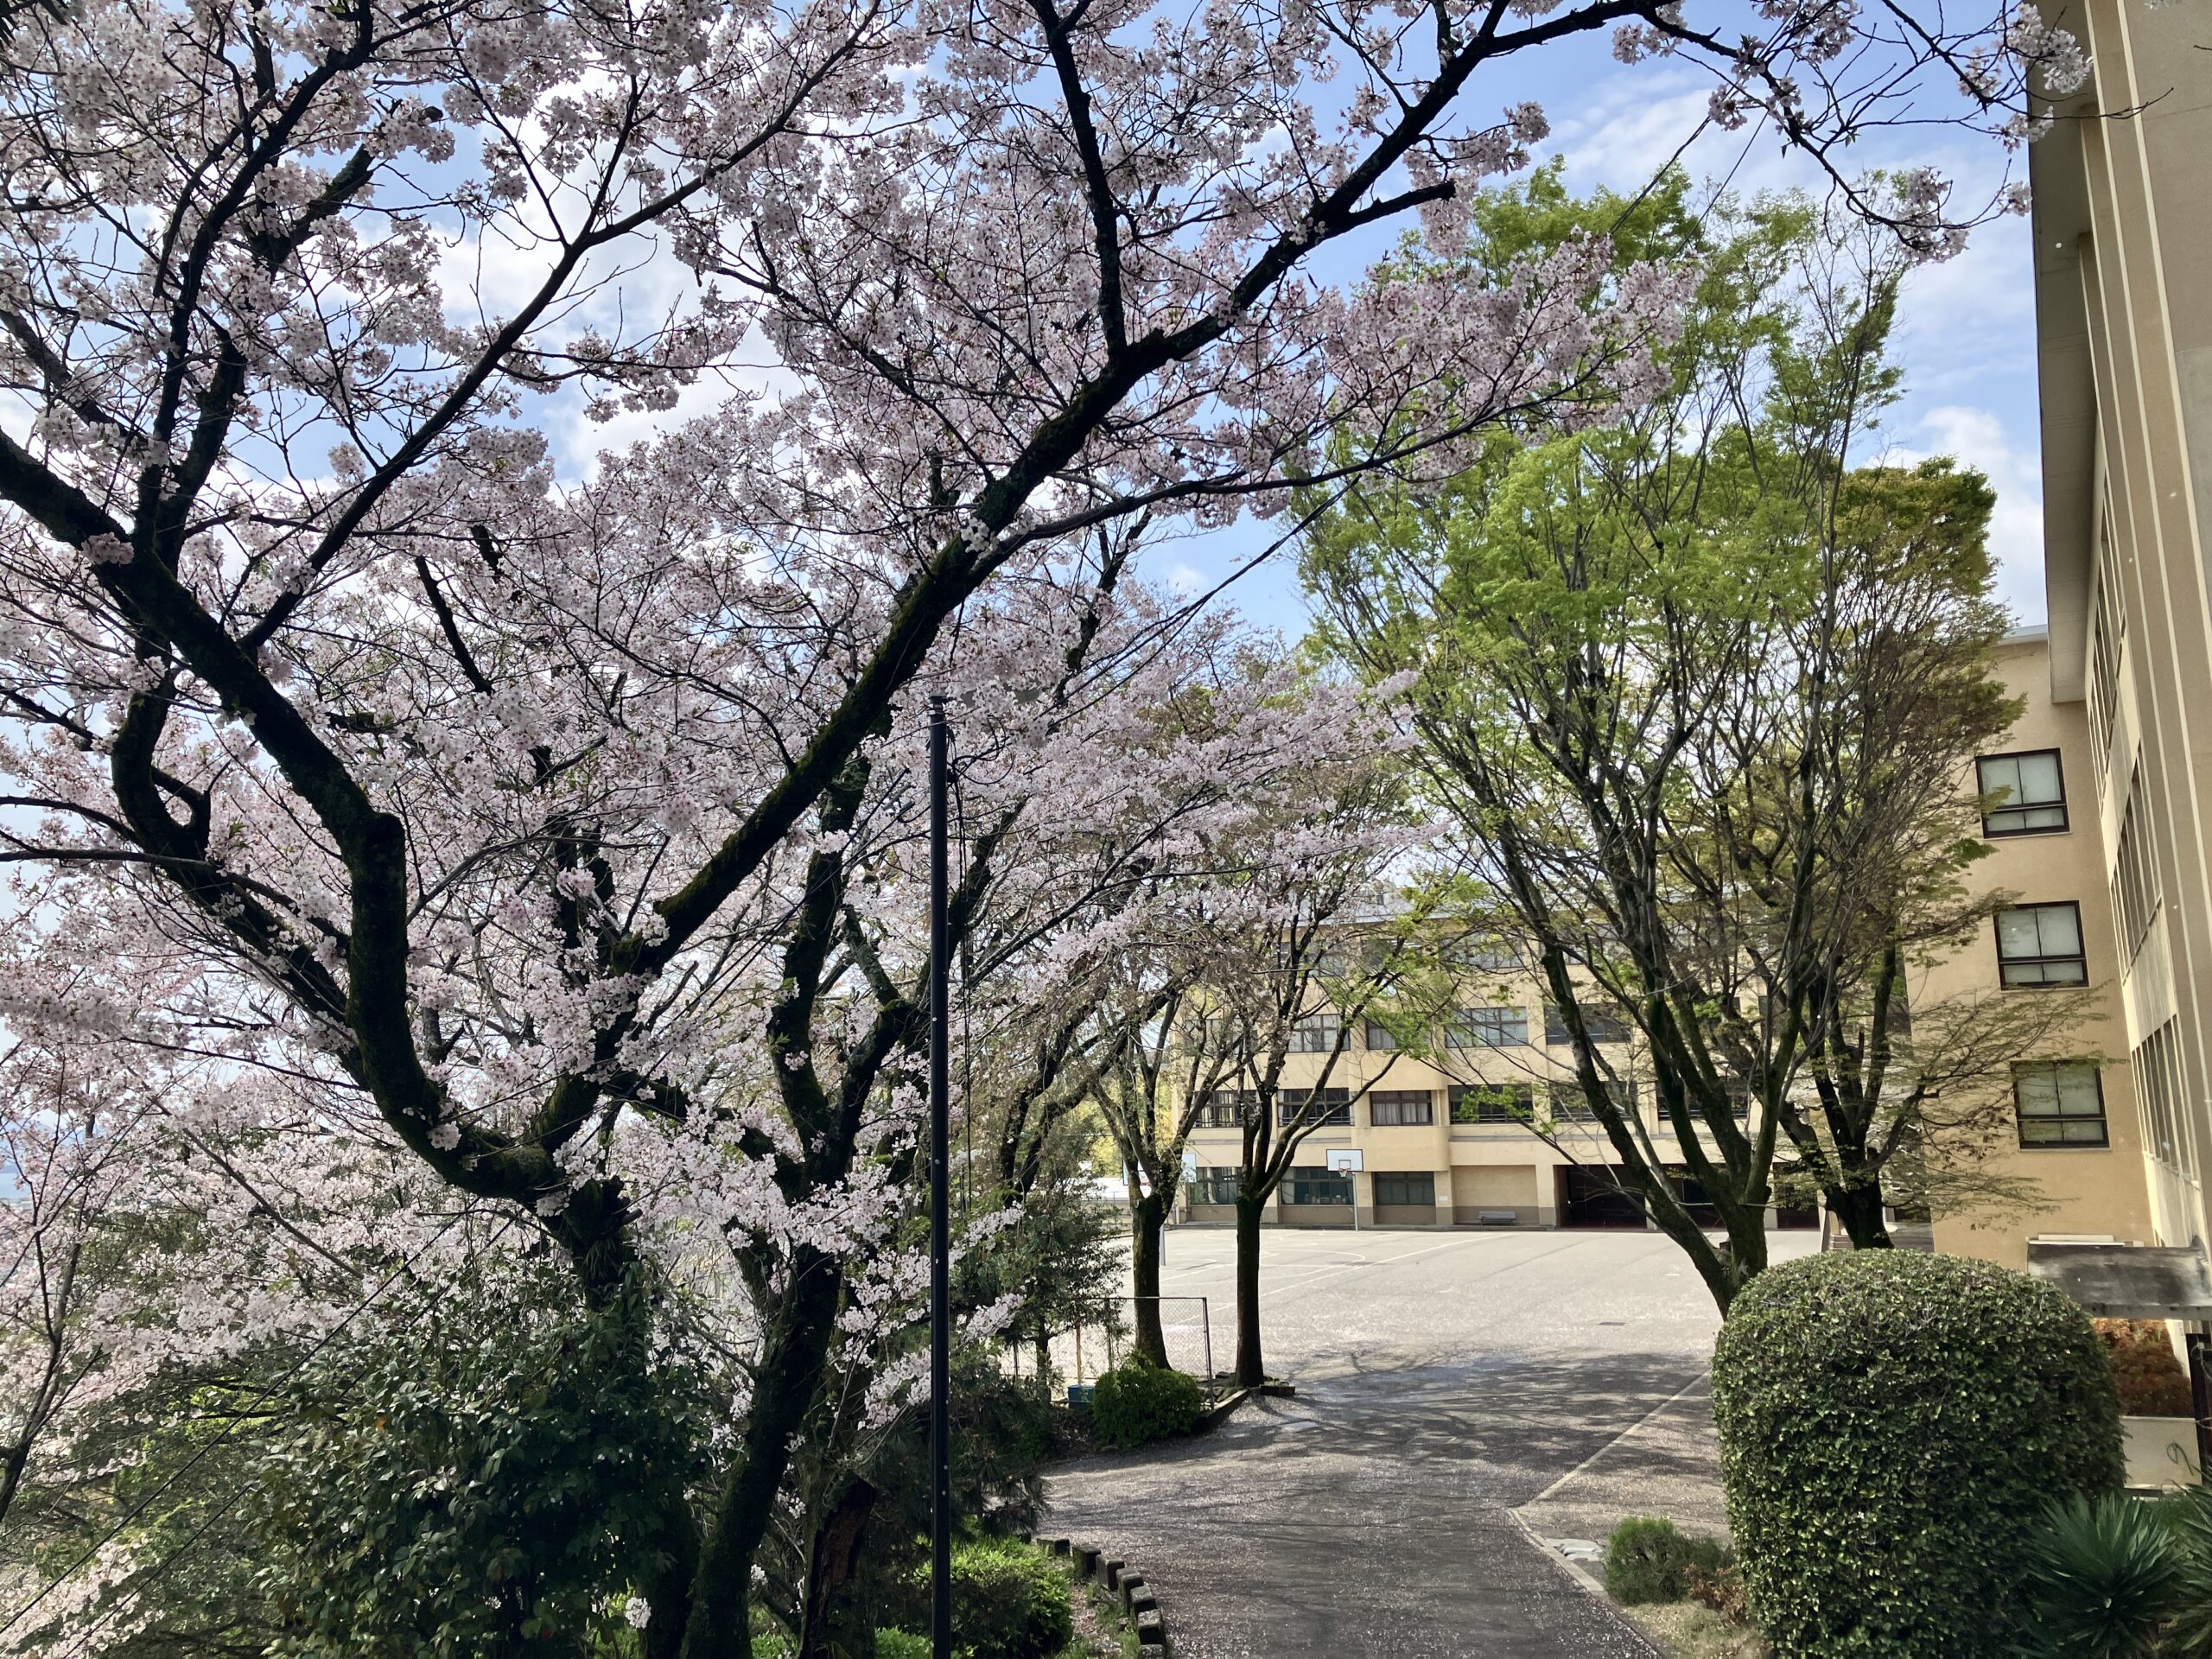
x=1009 y=1601
x=1650 y=1558
x=1893 y=1427
x=1138 y=1402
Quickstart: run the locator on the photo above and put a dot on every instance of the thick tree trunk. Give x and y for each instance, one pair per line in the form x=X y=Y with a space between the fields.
x=1858 y=1205
x=783 y=1386
x=1251 y=1370
x=1147 y=1214
x=836 y=1555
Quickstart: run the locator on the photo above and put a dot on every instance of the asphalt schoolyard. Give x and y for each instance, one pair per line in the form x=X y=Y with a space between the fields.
x=1456 y=1392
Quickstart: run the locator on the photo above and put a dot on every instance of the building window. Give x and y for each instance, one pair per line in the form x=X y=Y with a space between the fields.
x=1570 y=1105
x=1316 y=1187
x=1224 y=1109
x=2136 y=891
x=2060 y=1105
x=1309 y=1107
x=1394 y=1187
x=1211 y=1186
x=2041 y=944
x=1604 y=1027
x=1379 y=1040
x=1491 y=1103
x=1486 y=951
x=1316 y=1033
x=2026 y=794
x=2156 y=1069
x=1401 y=1108
x=1486 y=1029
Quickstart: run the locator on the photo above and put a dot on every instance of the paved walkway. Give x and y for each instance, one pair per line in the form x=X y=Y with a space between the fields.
x=1443 y=1384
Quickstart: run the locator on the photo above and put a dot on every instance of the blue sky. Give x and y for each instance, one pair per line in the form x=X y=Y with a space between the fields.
x=1966 y=334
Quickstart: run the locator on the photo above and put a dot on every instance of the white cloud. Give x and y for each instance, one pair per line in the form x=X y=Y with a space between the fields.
x=1978 y=438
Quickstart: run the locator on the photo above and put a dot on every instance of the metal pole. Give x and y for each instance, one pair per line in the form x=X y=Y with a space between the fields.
x=940 y=1223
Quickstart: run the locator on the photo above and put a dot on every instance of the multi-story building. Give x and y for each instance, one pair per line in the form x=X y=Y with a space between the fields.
x=1444 y=1142
x=2124 y=320
x=2060 y=1156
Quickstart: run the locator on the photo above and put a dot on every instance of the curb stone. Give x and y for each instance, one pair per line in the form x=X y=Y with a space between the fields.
x=1135 y=1595
x=1573 y=1568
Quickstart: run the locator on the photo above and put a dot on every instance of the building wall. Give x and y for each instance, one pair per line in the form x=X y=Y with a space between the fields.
x=2082 y=1191
x=2125 y=346
x=1502 y=1175
x=1481 y=1174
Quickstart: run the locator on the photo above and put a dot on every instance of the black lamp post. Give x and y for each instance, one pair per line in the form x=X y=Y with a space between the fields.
x=940 y=1195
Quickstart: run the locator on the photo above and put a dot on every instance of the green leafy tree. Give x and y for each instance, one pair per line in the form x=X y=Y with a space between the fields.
x=1697 y=693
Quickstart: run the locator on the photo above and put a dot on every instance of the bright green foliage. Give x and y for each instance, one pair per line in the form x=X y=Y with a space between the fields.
x=2103 y=1577
x=482 y=1485
x=1893 y=1425
x=1009 y=1601
x=1696 y=690
x=2188 y=1516
x=901 y=1644
x=1138 y=1402
x=1650 y=1558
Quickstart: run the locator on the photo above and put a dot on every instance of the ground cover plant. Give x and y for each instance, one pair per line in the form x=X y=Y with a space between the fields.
x=1650 y=1558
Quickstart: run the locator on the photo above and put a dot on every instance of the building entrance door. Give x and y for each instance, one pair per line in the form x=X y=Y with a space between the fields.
x=1593 y=1198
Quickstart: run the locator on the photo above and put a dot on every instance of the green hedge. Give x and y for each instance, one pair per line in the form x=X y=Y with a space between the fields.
x=1138 y=1402
x=1009 y=1601
x=1892 y=1426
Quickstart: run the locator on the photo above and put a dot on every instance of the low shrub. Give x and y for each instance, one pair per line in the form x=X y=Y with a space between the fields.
x=900 y=1644
x=2103 y=1577
x=1893 y=1425
x=1649 y=1559
x=1009 y=1601
x=2151 y=1380
x=1722 y=1591
x=1138 y=1402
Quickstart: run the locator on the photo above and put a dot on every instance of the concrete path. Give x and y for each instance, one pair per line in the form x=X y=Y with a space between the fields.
x=1443 y=1381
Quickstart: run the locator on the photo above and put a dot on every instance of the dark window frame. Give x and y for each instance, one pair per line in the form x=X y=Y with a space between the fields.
x=1393 y=1182
x=1495 y=1104
x=1568 y=1092
x=2021 y=1117
x=1209 y=1186
x=1399 y=1100
x=2065 y=808
x=1321 y=1032
x=1290 y=1104
x=1224 y=1108
x=1488 y=1026
x=1604 y=1025
x=2004 y=962
x=1302 y=1180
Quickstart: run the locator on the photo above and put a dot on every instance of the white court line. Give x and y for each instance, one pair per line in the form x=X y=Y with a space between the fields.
x=1615 y=1440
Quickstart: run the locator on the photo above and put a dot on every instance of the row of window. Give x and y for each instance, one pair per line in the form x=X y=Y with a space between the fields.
x=1388 y=1108
x=1318 y=1033
x=1321 y=1187
x=2060 y=1104
x=2041 y=944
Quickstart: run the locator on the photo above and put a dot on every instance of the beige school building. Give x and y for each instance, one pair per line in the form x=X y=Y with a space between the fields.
x=1440 y=1141
x=2104 y=839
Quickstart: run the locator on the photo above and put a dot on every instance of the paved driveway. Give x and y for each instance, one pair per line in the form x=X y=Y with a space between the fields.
x=1443 y=1382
